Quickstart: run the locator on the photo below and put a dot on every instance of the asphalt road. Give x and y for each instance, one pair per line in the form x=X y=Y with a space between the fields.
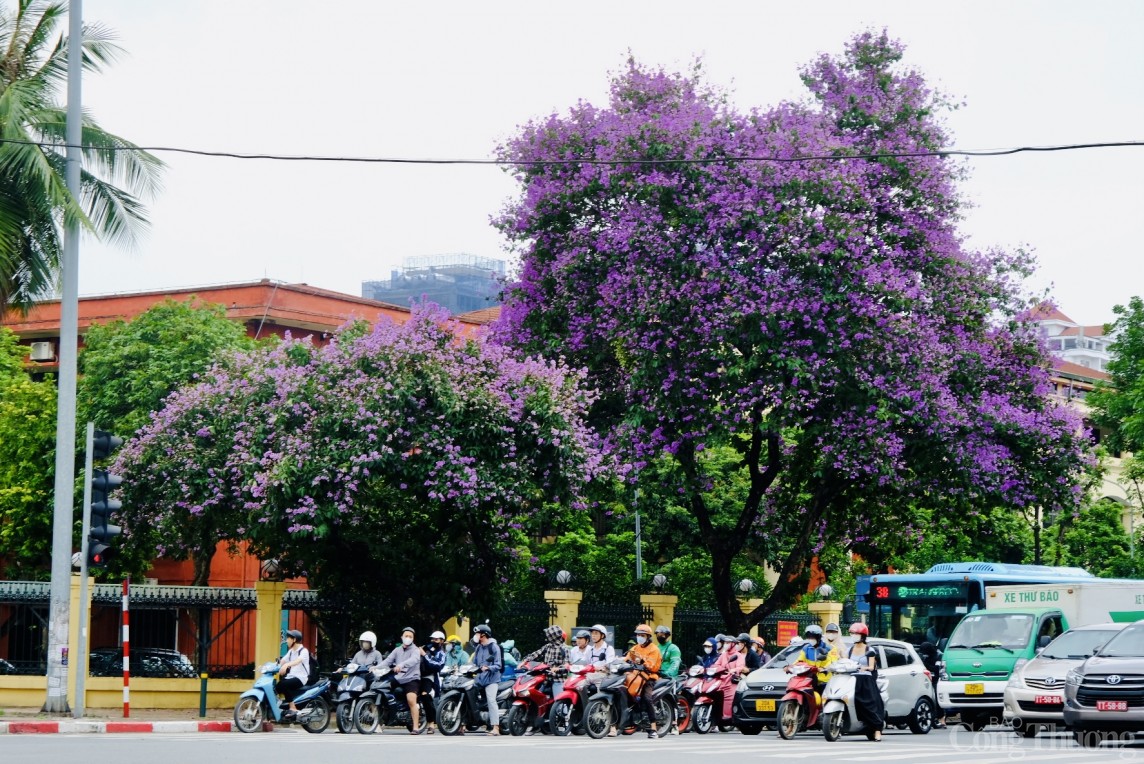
x=993 y=746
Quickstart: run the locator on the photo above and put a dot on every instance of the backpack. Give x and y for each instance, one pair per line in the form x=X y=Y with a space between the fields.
x=312 y=667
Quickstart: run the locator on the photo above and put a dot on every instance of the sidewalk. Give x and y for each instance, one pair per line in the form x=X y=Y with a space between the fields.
x=15 y=721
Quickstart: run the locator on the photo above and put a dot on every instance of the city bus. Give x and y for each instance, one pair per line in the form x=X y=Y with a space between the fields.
x=924 y=607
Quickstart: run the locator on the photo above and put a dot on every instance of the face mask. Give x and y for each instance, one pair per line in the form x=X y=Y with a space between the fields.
x=641 y=639
x=661 y=639
x=707 y=648
x=476 y=640
x=407 y=641
x=831 y=636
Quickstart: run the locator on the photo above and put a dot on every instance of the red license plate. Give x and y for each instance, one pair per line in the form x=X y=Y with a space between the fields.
x=1112 y=705
x=1051 y=700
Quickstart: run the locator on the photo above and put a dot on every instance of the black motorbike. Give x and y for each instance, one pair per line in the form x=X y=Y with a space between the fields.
x=613 y=706
x=353 y=680
x=463 y=706
x=384 y=705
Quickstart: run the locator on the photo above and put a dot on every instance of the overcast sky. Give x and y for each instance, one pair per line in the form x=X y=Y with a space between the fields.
x=450 y=79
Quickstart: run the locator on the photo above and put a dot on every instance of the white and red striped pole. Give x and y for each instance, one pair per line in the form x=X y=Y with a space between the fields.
x=126 y=650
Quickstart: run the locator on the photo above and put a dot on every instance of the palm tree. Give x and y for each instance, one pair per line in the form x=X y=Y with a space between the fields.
x=35 y=203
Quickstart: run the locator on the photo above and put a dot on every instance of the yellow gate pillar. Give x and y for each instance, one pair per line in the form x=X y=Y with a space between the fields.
x=268 y=622
x=662 y=608
x=827 y=612
x=748 y=606
x=567 y=608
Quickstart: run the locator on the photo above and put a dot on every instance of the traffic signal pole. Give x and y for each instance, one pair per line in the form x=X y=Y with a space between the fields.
x=81 y=650
x=62 y=518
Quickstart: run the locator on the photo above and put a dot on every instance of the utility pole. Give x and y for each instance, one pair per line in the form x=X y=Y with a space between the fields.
x=60 y=604
x=639 y=539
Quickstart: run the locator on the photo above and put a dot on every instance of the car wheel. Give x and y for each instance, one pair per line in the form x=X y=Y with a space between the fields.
x=921 y=720
x=750 y=729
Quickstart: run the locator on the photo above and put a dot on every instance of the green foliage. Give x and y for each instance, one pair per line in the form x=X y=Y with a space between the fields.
x=995 y=535
x=128 y=367
x=1119 y=404
x=1094 y=539
x=27 y=466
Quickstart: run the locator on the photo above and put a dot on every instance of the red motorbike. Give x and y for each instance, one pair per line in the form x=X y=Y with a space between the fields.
x=707 y=706
x=532 y=698
x=566 y=714
x=800 y=706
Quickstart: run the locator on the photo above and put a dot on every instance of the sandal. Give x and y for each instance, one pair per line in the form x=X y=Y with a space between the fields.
x=939 y=726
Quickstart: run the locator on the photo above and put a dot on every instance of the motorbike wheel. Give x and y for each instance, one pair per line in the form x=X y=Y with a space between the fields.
x=344 y=717
x=701 y=719
x=682 y=714
x=367 y=716
x=517 y=721
x=562 y=718
x=422 y=719
x=449 y=715
x=921 y=720
x=789 y=719
x=248 y=715
x=664 y=715
x=832 y=726
x=319 y=717
x=598 y=718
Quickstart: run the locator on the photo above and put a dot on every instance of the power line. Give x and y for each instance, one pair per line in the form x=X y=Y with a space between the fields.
x=592 y=161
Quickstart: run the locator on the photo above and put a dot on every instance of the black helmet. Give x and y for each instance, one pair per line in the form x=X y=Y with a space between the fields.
x=745 y=638
x=297 y=635
x=483 y=628
x=410 y=629
x=661 y=629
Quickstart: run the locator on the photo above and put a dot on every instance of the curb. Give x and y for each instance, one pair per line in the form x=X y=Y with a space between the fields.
x=93 y=727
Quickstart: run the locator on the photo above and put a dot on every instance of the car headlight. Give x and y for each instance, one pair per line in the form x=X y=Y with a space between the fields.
x=741 y=687
x=1074 y=677
x=943 y=675
x=1016 y=680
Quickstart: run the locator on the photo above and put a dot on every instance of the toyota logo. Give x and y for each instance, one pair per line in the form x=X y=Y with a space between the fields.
x=1050 y=681
x=1113 y=679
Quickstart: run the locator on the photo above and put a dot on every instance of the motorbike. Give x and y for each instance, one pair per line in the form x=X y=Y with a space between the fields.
x=384 y=705
x=354 y=680
x=707 y=706
x=566 y=714
x=260 y=704
x=532 y=698
x=838 y=713
x=799 y=708
x=463 y=705
x=612 y=705
x=686 y=690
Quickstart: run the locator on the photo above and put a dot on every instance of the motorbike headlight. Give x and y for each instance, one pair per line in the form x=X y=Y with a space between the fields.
x=1073 y=677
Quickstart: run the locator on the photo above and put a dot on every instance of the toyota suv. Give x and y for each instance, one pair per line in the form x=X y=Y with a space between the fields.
x=1104 y=695
x=1035 y=694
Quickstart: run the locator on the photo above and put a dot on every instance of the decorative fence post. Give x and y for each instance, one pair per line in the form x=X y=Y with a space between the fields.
x=267 y=623
x=567 y=604
x=662 y=607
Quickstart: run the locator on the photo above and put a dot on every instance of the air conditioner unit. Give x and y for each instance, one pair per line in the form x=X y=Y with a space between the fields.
x=42 y=351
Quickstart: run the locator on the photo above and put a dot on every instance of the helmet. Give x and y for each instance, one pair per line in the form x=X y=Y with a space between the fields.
x=643 y=628
x=720 y=637
x=602 y=629
x=483 y=628
x=294 y=633
x=745 y=638
x=860 y=628
x=583 y=635
x=832 y=627
x=410 y=630
x=814 y=630
x=662 y=629
x=368 y=636
x=454 y=638
x=437 y=635
x=554 y=634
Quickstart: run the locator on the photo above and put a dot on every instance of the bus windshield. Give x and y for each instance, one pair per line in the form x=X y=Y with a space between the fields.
x=917 y=612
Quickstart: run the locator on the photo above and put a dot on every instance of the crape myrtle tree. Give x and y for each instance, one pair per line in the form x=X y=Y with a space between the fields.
x=816 y=310
x=393 y=467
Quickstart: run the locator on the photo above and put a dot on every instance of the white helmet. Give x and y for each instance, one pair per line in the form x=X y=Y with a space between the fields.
x=438 y=635
x=368 y=636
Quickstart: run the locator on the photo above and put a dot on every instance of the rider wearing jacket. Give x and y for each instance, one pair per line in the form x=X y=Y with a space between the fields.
x=710 y=653
x=489 y=659
x=646 y=655
x=668 y=651
x=368 y=655
x=432 y=661
x=406 y=662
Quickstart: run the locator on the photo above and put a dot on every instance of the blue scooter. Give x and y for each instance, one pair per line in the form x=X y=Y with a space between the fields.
x=260 y=703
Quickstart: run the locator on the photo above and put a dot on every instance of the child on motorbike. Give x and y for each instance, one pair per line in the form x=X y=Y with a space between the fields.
x=645 y=654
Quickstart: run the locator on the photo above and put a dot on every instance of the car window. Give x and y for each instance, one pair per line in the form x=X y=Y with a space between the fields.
x=1127 y=644
x=896 y=657
x=1078 y=644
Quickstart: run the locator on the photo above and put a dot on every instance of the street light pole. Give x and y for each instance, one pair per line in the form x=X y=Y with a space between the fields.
x=60 y=602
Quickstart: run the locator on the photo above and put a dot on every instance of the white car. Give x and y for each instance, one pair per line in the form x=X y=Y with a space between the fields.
x=1035 y=694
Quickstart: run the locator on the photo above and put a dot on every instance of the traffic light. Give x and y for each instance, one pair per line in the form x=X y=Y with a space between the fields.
x=102 y=483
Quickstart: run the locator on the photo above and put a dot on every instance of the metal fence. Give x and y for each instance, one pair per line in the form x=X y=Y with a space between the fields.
x=521 y=622
x=24 y=627
x=336 y=641
x=622 y=618
x=692 y=627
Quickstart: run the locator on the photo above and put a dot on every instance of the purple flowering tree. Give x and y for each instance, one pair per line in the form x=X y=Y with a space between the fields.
x=820 y=314
x=392 y=467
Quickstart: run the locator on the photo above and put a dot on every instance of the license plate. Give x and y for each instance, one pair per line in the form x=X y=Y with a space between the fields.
x=1112 y=705
x=975 y=689
x=764 y=705
x=1051 y=700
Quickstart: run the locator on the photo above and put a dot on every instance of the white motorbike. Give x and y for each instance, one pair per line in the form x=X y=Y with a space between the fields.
x=838 y=714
